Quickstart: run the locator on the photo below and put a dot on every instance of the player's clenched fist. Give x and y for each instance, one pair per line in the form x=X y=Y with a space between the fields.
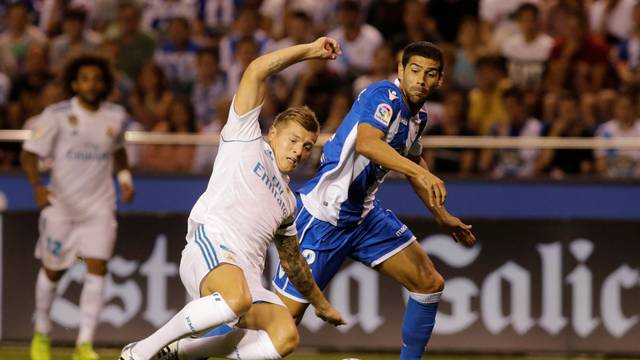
x=325 y=48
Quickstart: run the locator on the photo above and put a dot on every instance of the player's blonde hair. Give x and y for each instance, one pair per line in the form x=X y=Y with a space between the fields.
x=302 y=115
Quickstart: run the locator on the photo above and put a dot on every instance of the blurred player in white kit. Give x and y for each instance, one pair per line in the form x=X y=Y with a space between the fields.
x=84 y=135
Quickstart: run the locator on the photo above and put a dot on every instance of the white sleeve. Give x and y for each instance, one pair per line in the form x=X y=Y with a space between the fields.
x=242 y=128
x=287 y=228
x=43 y=135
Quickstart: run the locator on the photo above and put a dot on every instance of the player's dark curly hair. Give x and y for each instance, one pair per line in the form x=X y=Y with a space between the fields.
x=72 y=68
x=424 y=49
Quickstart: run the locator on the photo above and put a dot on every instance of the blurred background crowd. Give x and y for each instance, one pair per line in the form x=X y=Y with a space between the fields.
x=562 y=68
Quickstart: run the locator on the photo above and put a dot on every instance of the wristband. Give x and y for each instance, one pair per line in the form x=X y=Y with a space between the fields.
x=124 y=177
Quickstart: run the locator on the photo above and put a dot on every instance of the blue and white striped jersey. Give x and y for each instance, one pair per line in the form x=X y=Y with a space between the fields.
x=343 y=191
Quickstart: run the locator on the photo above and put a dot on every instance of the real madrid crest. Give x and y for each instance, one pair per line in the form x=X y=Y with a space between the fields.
x=110 y=132
x=73 y=120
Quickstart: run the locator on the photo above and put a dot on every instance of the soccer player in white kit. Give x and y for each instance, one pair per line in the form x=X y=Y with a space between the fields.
x=84 y=135
x=247 y=204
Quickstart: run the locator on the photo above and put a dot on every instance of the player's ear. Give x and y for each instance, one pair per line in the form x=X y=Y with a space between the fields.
x=272 y=132
x=400 y=70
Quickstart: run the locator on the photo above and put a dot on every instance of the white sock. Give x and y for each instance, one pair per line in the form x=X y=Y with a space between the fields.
x=91 y=300
x=238 y=344
x=198 y=315
x=45 y=293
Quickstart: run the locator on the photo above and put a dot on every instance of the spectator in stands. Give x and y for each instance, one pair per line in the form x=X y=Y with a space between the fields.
x=486 y=109
x=172 y=158
x=513 y=162
x=245 y=25
x=450 y=14
x=556 y=14
x=246 y=51
x=384 y=68
x=627 y=55
x=177 y=56
x=152 y=98
x=298 y=31
x=216 y=15
x=315 y=88
x=137 y=46
x=620 y=163
x=452 y=123
x=205 y=155
x=25 y=100
x=578 y=60
x=51 y=13
x=567 y=123
x=418 y=26
x=158 y=14
x=358 y=41
x=469 y=48
x=19 y=36
x=210 y=85
x=123 y=85
x=527 y=51
x=611 y=19
x=388 y=16
x=75 y=38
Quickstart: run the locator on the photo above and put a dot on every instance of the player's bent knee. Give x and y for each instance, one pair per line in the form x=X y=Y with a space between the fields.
x=241 y=303
x=285 y=338
x=427 y=283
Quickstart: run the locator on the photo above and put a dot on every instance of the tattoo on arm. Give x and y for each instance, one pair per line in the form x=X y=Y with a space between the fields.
x=294 y=264
x=276 y=65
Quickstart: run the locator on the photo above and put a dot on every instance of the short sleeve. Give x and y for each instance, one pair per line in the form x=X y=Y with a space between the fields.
x=378 y=107
x=287 y=228
x=43 y=135
x=242 y=128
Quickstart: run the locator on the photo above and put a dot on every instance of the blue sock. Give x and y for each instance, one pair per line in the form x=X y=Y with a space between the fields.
x=417 y=325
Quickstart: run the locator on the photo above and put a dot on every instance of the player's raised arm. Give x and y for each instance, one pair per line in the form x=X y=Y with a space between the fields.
x=297 y=269
x=251 y=90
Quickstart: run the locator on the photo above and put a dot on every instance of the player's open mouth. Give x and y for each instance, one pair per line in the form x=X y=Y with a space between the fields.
x=293 y=161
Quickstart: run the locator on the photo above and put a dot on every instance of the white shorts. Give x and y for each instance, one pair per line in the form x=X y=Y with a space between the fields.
x=204 y=252
x=64 y=238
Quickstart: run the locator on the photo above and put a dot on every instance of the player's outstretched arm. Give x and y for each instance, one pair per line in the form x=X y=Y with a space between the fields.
x=460 y=231
x=251 y=90
x=297 y=269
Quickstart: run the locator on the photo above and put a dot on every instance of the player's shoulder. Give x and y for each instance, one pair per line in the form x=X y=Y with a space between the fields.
x=59 y=107
x=113 y=107
x=384 y=90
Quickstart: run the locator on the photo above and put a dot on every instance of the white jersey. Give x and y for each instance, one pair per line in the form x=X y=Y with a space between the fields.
x=247 y=200
x=82 y=144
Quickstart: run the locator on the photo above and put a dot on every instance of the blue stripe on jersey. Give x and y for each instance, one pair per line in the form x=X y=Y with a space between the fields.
x=380 y=105
x=203 y=234
x=203 y=250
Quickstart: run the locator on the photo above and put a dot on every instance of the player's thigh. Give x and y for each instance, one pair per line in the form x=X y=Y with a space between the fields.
x=229 y=281
x=276 y=321
x=96 y=238
x=55 y=246
x=296 y=308
x=413 y=268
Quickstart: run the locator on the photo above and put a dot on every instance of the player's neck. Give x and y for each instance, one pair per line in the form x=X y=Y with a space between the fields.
x=413 y=108
x=88 y=106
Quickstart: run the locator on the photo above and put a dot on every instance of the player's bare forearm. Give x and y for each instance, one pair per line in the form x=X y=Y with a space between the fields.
x=439 y=212
x=369 y=144
x=251 y=89
x=297 y=269
x=29 y=162
x=120 y=160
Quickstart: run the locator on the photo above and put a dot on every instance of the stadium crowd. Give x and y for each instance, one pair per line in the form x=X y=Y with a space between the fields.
x=563 y=68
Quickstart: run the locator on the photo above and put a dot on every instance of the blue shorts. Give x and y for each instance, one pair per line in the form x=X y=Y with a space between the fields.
x=380 y=236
